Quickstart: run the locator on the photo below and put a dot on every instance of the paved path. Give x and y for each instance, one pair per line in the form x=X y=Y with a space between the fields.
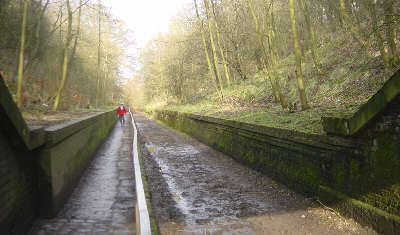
x=104 y=200
x=197 y=190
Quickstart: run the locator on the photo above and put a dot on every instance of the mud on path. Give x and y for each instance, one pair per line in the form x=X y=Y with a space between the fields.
x=197 y=190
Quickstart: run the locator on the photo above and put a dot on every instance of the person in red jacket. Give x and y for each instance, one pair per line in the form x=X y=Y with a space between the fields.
x=121 y=111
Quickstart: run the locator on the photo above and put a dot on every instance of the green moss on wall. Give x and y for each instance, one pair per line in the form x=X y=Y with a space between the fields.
x=372 y=178
x=62 y=162
x=375 y=105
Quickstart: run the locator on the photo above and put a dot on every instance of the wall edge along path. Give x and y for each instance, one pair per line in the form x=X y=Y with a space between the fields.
x=358 y=174
x=68 y=149
x=39 y=167
x=18 y=191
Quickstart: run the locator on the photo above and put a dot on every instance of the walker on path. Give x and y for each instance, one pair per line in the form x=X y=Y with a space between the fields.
x=121 y=111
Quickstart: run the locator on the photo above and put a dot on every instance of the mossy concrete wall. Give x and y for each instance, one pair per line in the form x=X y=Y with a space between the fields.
x=18 y=191
x=375 y=105
x=67 y=151
x=360 y=174
x=39 y=167
x=18 y=180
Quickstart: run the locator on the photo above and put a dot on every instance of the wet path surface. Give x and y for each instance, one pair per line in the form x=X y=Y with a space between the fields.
x=197 y=190
x=104 y=200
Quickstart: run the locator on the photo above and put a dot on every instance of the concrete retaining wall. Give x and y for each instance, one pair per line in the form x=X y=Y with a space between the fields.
x=359 y=175
x=38 y=182
x=18 y=191
x=39 y=167
x=67 y=151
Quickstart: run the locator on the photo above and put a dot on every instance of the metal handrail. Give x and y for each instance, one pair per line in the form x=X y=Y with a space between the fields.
x=142 y=213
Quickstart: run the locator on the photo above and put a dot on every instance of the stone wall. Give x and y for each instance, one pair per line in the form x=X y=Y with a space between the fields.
x=360 y=175
x=39 y=167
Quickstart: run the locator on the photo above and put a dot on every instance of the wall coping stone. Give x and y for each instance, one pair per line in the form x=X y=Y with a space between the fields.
x=57 y=133
x=322 y=141
x=34 y=136
x=368 y=111
x=15 y=123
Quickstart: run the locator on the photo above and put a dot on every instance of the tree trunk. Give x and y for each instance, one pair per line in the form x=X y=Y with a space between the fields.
x=105 y=78
x=238 y=59
x=390 y=34
x=35 y=50
x=378 y=35
x=213 y=50
x=263 y=52
x=71 y=58
x=65 y=59
x=314 y=52
x=273 y=55
x=347 y=21
x=210 y=68
x=98 y=59
x=78 y=30
x=221 y=51
x=21 y=54
x=299 y=73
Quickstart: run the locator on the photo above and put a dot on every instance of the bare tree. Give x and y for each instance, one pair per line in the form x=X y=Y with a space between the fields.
x=273 y=55
x=279 y=97
x=299 y=73
x=68 y=39
x=315 y=54
x=377 y=32
x=213 y=50
x=21 y=54
x=98 y=56
x=346 y=19
x=210 y=67
x=390 y=33
x=221 y=51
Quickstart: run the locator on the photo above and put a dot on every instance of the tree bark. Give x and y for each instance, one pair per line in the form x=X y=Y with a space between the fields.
x=98 y=58
x=210 y=67
x=238 y=61
x=213 y=50
x=263 y=52
x=65 y=59
x=221 y=51
x=273 y=55
x=314 y=52
x=378 y=35
x=21 y=54
x=299 y=73
x=347 y=21
x=78 y=30
x=35 y=51
x=390 y=34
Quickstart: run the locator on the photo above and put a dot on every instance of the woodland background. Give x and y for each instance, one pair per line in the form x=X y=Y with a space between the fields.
x=261 y=60
x=70 y=50
x=266 y=61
